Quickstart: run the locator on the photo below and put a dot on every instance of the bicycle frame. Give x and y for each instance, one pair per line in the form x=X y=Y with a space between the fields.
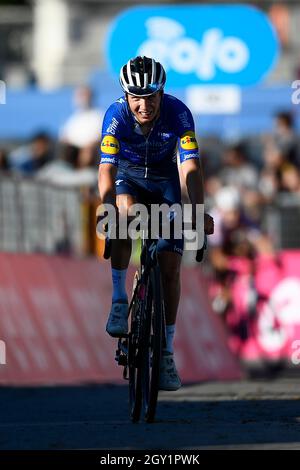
x=139 y=351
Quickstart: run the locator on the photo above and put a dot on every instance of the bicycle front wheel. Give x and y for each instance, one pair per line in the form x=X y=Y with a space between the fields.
x=153 y=347
x=134 y=358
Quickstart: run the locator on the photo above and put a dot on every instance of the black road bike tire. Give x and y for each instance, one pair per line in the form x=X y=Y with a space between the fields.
x=134 y=361
x=155 y=335
x=145 y=346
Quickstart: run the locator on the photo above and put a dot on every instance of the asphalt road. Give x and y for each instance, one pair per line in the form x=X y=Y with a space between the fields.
x=240 y=415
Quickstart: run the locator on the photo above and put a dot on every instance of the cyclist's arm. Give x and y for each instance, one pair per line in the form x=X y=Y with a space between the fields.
x=109 y=154
x=106 y=183
x=193 y=178
x=191 y=167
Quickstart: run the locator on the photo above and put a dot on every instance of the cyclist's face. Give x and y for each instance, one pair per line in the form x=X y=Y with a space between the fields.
x=145 y=109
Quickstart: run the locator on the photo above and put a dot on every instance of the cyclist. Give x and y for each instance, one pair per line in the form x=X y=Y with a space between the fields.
x=140 y=136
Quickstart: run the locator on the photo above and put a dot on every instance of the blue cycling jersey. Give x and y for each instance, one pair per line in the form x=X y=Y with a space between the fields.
x=154 y=155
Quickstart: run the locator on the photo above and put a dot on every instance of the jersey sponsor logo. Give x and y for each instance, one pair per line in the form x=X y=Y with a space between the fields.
x=188 y=141
x=110 y=145
x=113 y=126
x=178 y=250
x=109 y=160
x=184 y=119
x=152 y=249
x=189 y=156
x=118 y=182
x=164 y=135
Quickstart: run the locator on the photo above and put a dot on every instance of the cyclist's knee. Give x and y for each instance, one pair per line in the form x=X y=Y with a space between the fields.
x=124 y=202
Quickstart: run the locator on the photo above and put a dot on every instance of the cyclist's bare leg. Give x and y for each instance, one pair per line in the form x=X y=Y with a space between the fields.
x=170 y=272
x=121 y=249
x=117 y=323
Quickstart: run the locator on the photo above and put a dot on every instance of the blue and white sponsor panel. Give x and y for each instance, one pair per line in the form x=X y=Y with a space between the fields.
x=229 y=44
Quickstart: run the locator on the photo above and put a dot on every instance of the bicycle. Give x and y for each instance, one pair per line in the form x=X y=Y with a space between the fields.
x=139 y=352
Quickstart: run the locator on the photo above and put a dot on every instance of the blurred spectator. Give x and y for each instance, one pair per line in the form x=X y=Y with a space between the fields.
x=58 y=166
x=236 y=170
x=286 y=139
x=290 y=179
x=235 y=236
x=28 y=159
x=268 y=185
x=4 y=166
x=233 y=230
x=280 y=17
x=86 y=158
x=270 y=176
x=212 y=185
x=239 y=173
x=273 y=158
x=83 y=128
x=65 y=172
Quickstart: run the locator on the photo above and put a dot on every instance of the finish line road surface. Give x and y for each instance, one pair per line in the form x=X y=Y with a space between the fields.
x=236 y=415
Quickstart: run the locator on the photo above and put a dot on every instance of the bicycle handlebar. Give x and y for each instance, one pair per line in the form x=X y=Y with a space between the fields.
x=199 y=254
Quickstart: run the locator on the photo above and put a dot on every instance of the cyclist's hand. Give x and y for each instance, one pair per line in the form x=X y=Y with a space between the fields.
x=200 y=252
x=103 y=230
x=101 y=214
x=208 y=224
x=104 y=222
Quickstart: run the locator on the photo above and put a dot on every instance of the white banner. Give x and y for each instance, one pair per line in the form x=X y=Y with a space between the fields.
x=214 y=99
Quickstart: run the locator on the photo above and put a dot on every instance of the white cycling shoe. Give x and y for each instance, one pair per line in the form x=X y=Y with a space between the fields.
x=117 y=323
x=169 y=379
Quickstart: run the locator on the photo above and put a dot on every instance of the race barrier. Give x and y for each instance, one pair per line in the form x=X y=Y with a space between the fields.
x=53 y=312
x=264 y=319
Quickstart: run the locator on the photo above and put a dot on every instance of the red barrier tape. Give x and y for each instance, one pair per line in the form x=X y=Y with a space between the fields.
x=53 y=312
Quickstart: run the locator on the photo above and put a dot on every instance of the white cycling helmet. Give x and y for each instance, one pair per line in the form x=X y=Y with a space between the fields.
x=142 y=76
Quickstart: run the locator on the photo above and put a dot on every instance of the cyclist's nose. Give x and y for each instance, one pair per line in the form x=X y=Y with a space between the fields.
x=145 y=105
